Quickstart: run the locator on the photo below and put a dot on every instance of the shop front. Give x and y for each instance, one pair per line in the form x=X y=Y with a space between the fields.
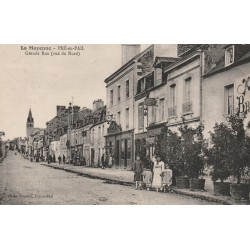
x=152 y=133
x=120 y=146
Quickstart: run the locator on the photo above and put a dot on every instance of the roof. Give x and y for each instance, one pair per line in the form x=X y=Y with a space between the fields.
x=159 y=59
x=130 y=62
x=183 y=59
x=220 y=65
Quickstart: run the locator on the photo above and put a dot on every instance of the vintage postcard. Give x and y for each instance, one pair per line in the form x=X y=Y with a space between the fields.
x=124 y=124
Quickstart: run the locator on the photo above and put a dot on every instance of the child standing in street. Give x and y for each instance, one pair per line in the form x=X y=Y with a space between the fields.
x=167 y=175
x=148 y=176
x=138 y=169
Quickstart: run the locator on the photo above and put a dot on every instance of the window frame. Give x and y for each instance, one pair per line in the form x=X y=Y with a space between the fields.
x=227 y=56
x=226 y=99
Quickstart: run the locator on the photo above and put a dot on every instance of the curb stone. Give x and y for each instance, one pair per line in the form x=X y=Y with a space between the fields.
x=126 y=183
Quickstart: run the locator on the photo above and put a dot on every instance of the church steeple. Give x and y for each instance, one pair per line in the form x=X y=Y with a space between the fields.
x=29 y=124
x=30 y=118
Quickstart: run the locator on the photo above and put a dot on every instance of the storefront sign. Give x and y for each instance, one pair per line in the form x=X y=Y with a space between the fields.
x=243 y=96
x=150 y=102
x=154 y=132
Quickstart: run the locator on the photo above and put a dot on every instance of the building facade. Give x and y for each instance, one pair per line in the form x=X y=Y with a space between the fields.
x=121 y=90
x=226 y=87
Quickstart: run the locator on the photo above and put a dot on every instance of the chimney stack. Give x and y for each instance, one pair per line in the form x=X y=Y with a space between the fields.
x=129 y=51
x=97 y=104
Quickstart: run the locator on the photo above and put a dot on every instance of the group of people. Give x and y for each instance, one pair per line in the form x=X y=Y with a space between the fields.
x=52 y=158
x=154 y=175
x=107 y=161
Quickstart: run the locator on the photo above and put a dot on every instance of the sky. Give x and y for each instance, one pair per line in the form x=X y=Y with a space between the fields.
x=41 y=82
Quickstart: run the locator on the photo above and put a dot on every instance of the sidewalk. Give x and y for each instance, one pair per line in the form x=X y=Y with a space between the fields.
x=125 y=177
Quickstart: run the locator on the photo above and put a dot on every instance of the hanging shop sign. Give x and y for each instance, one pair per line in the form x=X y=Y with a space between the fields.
x=149 y=101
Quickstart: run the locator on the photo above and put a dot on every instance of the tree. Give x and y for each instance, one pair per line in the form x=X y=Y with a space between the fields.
x=183 y=152
x=230 y=153
x=168 y=146
x=192 y=150
x=221 y=139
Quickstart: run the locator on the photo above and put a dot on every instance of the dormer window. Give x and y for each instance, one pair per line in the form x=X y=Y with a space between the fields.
x=229 y=56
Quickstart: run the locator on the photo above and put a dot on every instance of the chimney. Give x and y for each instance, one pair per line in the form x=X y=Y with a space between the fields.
x=97 y=104
x=76 y=108
x=60 y=110
x=129 y=51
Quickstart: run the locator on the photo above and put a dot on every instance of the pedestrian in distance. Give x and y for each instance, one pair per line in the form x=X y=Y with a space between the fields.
x=106 y=160
x=110 y=162
x=63 y=159
x=50 y=158
x=157 y=178
x=103 y=161
x=138 y=169
x=60 y=159
x=54 y=158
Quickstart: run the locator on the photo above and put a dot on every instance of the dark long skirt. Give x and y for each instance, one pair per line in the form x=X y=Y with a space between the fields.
x=138 y=177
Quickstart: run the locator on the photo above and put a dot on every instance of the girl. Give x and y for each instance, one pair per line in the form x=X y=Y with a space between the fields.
x=147 y=174
x=138 y=169
x=158 y=169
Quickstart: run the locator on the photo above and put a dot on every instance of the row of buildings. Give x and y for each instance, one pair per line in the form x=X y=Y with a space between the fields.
x=164 y=85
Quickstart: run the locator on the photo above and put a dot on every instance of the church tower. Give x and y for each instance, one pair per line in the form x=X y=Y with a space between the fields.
x=29 y=124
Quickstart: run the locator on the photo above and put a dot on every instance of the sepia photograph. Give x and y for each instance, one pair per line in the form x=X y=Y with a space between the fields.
x=125 y=124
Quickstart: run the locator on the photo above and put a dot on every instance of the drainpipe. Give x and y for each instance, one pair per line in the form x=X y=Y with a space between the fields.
x=133 y=96
x=201 y=83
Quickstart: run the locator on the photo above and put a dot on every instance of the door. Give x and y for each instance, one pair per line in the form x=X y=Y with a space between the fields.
x=126 y=153
x=117 y=156
x=92 y=157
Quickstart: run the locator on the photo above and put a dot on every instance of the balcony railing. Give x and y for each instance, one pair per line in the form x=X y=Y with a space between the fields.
x=172 y=111
x=187 y=107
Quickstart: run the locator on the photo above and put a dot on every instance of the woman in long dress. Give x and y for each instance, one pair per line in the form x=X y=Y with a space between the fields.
x=158 y=169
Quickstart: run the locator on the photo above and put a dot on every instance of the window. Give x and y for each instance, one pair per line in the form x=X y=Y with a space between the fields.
x=127 y=89
x=119 y=94
x=229 y=99
x=119 y=117
x=99 y=132
x=229 y=56
x=172 y=95
x=172 y=107
x=127 y=118
x=111 y=98
x=141 y=116
x=161 y=110
x=153 y=114
x=187 y=105
x=187 y=90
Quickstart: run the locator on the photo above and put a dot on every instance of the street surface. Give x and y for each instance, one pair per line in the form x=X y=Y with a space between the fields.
x=25 y=183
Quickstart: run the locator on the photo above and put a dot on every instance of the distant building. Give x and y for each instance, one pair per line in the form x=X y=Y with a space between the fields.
x=30 y=129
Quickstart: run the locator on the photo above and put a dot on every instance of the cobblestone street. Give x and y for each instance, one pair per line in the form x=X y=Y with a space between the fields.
x=24 y=182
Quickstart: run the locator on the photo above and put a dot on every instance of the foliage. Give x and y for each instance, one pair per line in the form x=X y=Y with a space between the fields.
x=192 y=145
x=183 y=152
x=168 y=146
x=221 y=139
x=230 y=153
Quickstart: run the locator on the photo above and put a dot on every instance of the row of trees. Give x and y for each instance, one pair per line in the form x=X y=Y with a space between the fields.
x=187 y=153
